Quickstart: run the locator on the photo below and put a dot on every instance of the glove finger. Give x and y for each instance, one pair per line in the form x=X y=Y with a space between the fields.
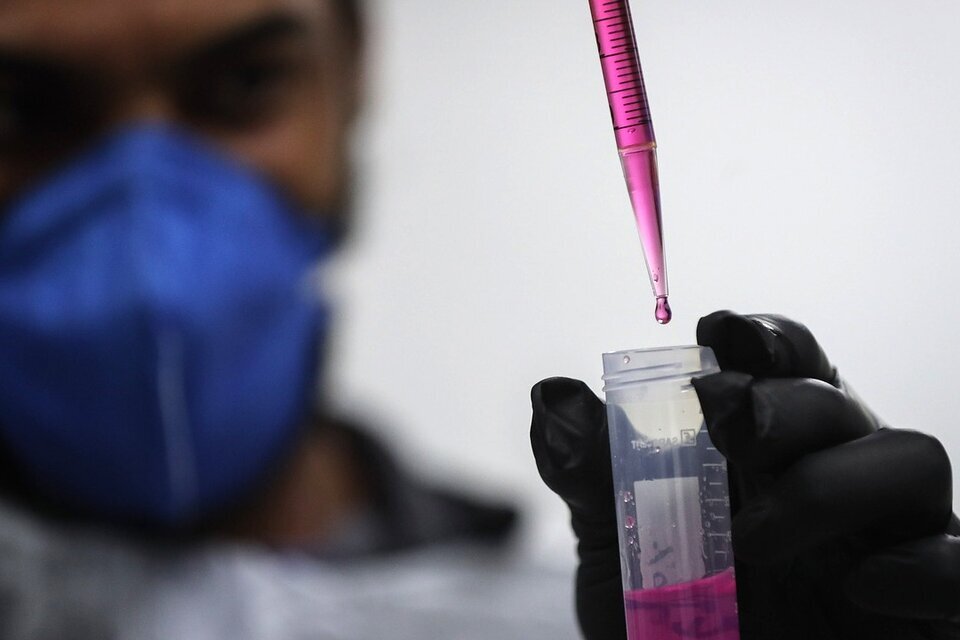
x=764 y=345
x=890 y=486
x=766 y=425
x=572 y=449
x=919 y=579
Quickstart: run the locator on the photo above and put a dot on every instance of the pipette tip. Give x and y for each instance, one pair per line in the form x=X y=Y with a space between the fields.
x=663 y=314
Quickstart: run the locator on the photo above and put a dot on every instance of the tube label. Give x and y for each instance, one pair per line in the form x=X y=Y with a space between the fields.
x=669 y=531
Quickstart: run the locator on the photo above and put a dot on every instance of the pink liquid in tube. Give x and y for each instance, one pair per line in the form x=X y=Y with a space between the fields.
x=704 y=609
x=633 y=129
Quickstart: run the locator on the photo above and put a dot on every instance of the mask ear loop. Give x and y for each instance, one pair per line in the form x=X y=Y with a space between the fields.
x=172 y=402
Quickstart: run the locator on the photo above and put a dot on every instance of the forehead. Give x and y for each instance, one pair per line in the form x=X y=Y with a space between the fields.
x=100 y=31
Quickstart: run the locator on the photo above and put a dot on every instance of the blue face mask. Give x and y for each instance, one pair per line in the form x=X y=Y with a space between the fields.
x=159 y=331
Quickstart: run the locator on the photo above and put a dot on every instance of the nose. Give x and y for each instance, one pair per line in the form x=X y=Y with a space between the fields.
x=142 y=104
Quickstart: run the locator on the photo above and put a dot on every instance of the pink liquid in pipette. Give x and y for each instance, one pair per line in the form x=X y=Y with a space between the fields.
x=633 y=129
x=701 y=610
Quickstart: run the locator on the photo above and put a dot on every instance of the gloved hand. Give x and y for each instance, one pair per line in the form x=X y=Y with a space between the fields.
x=842 y=528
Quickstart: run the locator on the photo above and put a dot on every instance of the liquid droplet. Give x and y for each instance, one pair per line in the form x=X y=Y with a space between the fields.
x=663 y=314
x=627 y=496
x=629 y=522
x=656 y=277
x=626 y=359
x=657 y=450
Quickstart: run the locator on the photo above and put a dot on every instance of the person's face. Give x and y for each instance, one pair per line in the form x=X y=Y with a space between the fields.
x=273 y=82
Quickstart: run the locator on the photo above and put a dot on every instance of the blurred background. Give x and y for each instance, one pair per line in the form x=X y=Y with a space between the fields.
x=808 y=155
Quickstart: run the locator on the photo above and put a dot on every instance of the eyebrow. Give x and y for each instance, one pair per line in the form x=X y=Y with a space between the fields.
x=247 y=35
x=258 y=31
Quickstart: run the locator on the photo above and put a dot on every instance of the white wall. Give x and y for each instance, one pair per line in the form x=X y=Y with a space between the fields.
x=809 y=154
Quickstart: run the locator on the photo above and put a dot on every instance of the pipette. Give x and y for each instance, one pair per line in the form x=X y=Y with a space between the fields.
x=633 y=129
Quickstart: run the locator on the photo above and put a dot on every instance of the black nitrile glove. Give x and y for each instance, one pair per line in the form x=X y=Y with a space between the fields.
x=842 y=528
